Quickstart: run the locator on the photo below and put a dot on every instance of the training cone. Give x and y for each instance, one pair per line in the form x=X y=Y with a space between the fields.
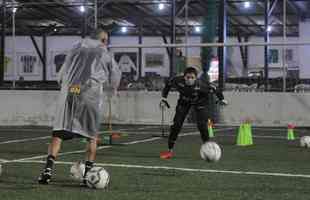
x=244 y=137
x=290 y=132
x=210 y=128
x=115 y=135
x=99 y=140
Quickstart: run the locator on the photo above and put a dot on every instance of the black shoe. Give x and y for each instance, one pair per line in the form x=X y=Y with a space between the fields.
x=45 y=177
x=83 y=183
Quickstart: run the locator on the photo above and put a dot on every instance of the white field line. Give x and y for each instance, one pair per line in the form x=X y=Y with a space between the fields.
x=25 y=140
x=47 y=137
x=99 y=148
x=143 y=133
x=185 y=169
x=24 y=130
x=257 y=136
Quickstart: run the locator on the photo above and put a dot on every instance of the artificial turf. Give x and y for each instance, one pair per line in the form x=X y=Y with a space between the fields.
x=267 y=155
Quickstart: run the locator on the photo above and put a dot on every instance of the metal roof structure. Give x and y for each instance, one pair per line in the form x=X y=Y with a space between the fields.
x=58 y=17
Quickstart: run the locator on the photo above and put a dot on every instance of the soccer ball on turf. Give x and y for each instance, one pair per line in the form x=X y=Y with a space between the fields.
x=305 y=141
x=97 y=178
x=211 y=152
x=77 y=171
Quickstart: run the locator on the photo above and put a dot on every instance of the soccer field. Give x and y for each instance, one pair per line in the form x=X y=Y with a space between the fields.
x=273 y=168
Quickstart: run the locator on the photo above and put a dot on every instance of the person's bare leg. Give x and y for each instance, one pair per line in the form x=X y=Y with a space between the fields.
x=54 y=147
x=53 y=150
x=90 y=154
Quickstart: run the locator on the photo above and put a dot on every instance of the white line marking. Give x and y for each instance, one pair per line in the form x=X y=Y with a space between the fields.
x=3 y=160
x=151 y=131
x=47 y=137
x=186 y=169
x=25 y=140
x=141 y=133
x=105 y=147
x=258 y=136
x=99 y=148
x=23 y=130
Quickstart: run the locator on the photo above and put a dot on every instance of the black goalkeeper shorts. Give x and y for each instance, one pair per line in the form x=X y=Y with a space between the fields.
x=67 y=135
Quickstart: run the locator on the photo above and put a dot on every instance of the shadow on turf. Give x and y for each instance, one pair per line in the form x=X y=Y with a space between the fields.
x=14 y=185
x=163 y=173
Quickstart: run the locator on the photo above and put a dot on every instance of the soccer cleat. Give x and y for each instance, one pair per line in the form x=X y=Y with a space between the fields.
x=83 y=183
x=45 y=177
x=87 y=169
x=166 y=155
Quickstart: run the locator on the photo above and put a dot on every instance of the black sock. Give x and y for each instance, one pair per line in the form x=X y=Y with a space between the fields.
x=205 y=138
x=170 y=145
x=50 y=162
x=88 y=166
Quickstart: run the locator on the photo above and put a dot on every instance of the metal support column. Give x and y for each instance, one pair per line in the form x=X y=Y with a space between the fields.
x=172 y=38
x=96 y=14
x=3 y=42
x=284 y=48
x=266 y=48
x=44 y=57
x=186 y=31
x=222 y=39
x=84 y=23
x=140 y=51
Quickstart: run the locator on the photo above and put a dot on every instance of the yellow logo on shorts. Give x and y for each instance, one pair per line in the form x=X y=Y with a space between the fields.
x=75 y=89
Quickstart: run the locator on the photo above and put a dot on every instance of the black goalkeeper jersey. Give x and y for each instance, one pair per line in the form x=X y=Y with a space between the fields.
x=195 y=94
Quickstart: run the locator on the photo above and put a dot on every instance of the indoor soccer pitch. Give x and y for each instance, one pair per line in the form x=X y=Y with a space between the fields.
x=273 y=168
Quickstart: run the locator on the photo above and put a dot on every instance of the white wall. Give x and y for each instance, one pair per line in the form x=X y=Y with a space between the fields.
x=164 y=70
x=56 y=45
x=304 y=34
x=38 y=108
x=23 y=46
x=256 y=54
x=234 y=60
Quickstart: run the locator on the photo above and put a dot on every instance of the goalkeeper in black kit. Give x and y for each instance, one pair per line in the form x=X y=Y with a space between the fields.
x=193 y=92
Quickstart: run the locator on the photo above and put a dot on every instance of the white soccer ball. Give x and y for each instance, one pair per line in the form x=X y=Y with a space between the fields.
x=77 y=171
x=305 y=141
x=97 y=178
x=211 y=152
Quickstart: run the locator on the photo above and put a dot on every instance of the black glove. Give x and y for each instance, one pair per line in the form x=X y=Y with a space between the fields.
x=164 y=103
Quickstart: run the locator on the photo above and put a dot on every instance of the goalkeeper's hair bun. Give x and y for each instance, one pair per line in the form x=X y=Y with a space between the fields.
x=190 y=70
x=95 y=34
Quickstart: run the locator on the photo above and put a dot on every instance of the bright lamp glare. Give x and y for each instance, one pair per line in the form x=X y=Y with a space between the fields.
x=161 y=6
x=247 y=4
x=197 y=29
x=269 y=29
x=124 y=29
x=82 y=8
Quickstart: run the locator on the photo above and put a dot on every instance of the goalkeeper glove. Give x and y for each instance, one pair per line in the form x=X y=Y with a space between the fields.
x=222 y=102
x=164 y=103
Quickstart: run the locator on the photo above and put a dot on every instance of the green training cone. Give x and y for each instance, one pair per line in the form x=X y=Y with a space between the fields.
x=290 y=132
x=244 y=137
x=249 y=134
x=210 y=129
x=106 y=139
